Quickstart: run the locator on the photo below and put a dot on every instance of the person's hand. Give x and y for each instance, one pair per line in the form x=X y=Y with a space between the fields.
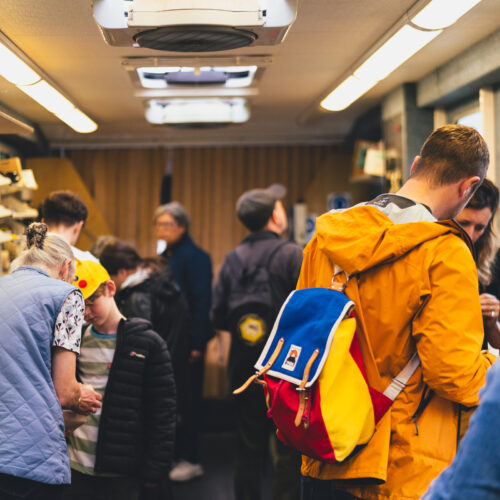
x=90 y=400
x=194 y=356
x=490 y=307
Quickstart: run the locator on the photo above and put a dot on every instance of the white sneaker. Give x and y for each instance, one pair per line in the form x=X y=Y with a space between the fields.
x=185 y=471
x=5 y=181
x=5 y=212
x=21 y=209
x=28 y=179
x=4 y=235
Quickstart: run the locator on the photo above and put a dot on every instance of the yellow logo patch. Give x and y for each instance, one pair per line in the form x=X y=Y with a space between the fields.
x=252 y=328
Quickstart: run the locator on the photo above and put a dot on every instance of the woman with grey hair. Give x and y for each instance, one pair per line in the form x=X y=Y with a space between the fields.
x=41 y=315
x=192 y=271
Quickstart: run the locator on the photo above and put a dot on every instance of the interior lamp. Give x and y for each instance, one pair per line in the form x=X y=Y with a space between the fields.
x=16 y=70
x=392 y=51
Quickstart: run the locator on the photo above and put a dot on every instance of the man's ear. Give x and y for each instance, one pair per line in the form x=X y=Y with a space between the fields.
x=78 y=226
x=467 y=186
x=110 y=288
x=414 y=164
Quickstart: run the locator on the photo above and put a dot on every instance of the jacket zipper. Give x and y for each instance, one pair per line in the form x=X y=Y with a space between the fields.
x=119 y=341
x=424 y=401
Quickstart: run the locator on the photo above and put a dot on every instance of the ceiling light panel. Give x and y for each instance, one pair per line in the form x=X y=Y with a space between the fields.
x=197 y=111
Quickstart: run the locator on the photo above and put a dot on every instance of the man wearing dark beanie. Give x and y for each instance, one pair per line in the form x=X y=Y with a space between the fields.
x=254 y=281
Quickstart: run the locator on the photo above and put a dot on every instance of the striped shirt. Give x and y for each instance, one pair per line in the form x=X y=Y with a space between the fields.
x=96 y=355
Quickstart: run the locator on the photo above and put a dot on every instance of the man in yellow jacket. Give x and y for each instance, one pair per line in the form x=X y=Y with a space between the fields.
x=415 y=289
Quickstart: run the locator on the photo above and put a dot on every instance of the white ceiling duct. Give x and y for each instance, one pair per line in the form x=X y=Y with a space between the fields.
x=207 y=112
x=194 y=25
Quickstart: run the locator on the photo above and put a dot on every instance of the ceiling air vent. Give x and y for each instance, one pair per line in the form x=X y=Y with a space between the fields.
x=188 y=76
x=194 y=25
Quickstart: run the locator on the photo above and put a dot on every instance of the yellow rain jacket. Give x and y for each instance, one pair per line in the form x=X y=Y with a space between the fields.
x=418 y=290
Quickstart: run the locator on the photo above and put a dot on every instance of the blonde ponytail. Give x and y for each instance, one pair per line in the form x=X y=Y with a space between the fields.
x=47 y=251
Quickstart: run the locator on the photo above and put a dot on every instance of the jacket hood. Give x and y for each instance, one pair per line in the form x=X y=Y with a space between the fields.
x=161 y=285
x=362 y=237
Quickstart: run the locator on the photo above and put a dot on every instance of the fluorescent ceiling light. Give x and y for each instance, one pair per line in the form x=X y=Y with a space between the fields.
x=401 y=46
x=440 y=14
x=48 y=97
x=197 y=111
x=346 y=93
x=16 y=71
x=78 y=121
x=404 y=43
x=29 y=81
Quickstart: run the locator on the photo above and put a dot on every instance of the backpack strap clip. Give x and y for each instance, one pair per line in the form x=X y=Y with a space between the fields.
x=264 y=369
x=399 y=382
x=303 y=392
x=337 y=285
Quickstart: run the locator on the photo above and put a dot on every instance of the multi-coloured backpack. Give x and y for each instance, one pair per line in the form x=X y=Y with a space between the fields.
x=314 y=377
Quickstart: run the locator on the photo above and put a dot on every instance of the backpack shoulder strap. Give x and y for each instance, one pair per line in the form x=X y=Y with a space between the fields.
x=236 y=263
x=399 y=382
x=274 y=251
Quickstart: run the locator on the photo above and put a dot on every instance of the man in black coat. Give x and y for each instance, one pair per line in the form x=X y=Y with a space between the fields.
x=254 y=281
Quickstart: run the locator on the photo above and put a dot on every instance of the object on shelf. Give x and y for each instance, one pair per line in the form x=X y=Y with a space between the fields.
x=375 y=162
x=393 y=170
x=11 y=168
x=4 y=181
x=368 y=159
x=5 y=261
x=5 y=212
x=5 y=236
x=20 y=209
x=28 y=179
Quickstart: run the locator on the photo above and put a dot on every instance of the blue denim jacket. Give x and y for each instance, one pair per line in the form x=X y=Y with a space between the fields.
x=475 y=471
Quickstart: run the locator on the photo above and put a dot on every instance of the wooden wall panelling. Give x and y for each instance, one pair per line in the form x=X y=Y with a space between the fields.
x=126 y=186
x=208 y=181
x=53 y=174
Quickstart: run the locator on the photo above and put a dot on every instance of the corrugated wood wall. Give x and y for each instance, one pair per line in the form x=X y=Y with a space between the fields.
x=126 y=186
x=208 y=181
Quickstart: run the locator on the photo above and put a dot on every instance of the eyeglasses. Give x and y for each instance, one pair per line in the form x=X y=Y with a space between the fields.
x=165 y=224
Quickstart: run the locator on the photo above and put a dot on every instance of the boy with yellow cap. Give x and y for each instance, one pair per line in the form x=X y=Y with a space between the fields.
x=126 y=448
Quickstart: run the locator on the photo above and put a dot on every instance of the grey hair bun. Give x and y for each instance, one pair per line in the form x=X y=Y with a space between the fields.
x=36 y=234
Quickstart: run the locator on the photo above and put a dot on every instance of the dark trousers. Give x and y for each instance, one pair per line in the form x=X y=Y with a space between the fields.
x=317 y=489
x=16 y=488
x=256 y=437
x=87 y=487
x=188 y=432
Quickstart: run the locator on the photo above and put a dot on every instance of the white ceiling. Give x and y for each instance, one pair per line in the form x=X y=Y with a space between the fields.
x=60 y=36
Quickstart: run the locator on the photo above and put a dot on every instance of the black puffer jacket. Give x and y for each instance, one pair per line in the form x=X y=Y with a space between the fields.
x=137 y=424
x=159 y=300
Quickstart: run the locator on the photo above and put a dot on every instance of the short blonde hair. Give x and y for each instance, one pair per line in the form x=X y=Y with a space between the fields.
x=47 y=251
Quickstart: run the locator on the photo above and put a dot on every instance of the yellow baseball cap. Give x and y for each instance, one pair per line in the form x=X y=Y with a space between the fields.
x=89 y=276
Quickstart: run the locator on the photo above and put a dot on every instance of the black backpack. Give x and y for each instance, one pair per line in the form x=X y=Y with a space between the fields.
x=252 y=309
